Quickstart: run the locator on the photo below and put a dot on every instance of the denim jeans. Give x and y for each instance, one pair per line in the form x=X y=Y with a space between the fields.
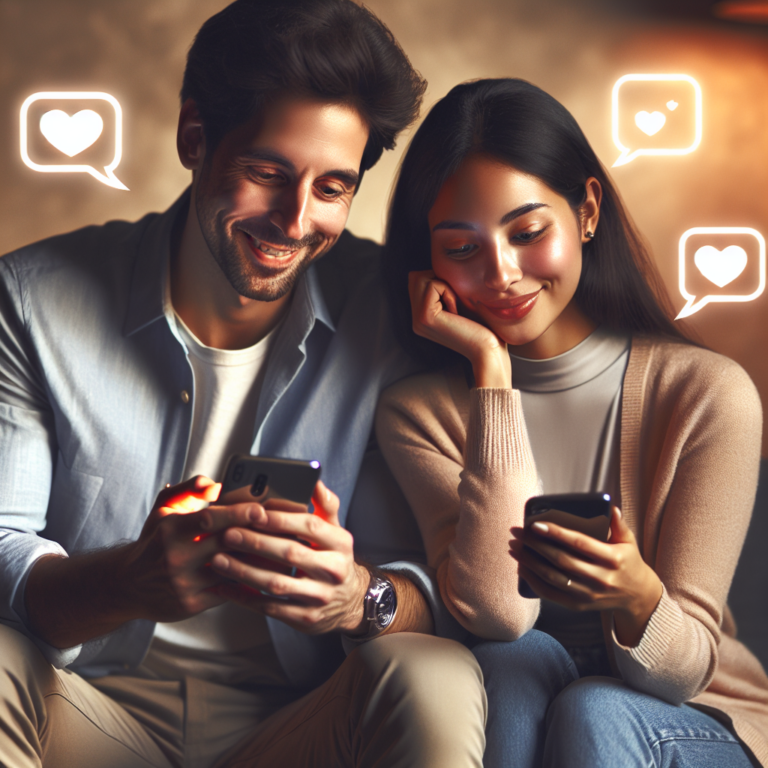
x=541 y=714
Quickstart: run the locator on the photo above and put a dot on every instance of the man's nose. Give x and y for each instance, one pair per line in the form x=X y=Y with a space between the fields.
x=501 y=267
x=291 y=213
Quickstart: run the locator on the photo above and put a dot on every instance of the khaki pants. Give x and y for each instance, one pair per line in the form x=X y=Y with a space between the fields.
x=402 y=700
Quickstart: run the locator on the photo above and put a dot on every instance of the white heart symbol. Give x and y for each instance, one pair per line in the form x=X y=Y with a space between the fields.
x=71 y=135
x=650 y=123
x=672 y=105
x=720 y=267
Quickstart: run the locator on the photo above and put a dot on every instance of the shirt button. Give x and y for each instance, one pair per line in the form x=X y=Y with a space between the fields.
x=184 y=396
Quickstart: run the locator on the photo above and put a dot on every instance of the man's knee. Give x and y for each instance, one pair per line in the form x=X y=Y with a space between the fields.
x=423 y=666
x=422 y=695
x=21 y=663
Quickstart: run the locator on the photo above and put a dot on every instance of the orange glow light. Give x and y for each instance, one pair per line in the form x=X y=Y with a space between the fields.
x=750 y=12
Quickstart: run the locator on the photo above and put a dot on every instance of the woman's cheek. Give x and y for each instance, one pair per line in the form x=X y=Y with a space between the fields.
x=461 y=280
x=558 y=259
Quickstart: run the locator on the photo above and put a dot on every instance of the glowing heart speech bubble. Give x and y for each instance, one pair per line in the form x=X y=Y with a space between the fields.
x=650 y=123
x=634 y=95
x=720 y=267
x=71 y=134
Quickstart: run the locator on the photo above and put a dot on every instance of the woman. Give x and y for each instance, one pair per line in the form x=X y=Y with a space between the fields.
x=524 y=271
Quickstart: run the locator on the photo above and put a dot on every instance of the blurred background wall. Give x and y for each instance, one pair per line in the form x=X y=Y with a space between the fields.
x=575 y=49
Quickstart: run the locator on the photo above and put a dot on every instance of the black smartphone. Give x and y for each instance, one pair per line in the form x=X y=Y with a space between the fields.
x=259 y=478
x=588 y=513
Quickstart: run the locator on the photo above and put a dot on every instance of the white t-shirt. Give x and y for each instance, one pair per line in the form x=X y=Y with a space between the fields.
x=227 y=644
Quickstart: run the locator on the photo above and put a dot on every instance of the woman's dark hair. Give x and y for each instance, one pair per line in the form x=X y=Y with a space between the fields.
x=520 y=125
x=257 y=50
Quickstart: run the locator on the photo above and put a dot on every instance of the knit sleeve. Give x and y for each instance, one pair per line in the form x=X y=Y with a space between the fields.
x=698 y=497
x=467 y=477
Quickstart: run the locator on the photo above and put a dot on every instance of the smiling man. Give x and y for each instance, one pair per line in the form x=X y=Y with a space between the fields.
x=147 y=631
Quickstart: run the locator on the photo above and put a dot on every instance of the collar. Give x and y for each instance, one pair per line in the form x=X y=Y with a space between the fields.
x=147 y=299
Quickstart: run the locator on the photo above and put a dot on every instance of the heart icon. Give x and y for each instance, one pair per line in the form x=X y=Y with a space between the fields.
x=650 y=123
x=720 y=267
x=672 y=105
x=71 y=135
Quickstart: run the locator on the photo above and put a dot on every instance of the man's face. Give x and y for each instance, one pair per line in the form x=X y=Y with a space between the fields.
x=275 y=193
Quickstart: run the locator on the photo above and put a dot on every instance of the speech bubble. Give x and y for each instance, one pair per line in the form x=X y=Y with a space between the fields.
x=70 y=134
x=722 y=270
x=655 y=115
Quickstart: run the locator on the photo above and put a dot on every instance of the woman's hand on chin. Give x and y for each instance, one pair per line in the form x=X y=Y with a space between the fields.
x=582 y=573
x=436 y=317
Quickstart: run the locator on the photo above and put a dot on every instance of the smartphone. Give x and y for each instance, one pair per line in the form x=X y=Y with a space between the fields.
x=588 y=513
x=259 y=478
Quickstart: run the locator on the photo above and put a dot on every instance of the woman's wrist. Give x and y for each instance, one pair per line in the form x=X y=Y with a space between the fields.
x=493 y=369
x=630 y=622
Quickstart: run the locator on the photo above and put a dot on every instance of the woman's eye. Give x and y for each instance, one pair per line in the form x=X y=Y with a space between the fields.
x=462 y=250
x=528 y=237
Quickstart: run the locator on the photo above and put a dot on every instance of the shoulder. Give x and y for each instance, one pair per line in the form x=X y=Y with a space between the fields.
x=694 y=377
x=92 y=247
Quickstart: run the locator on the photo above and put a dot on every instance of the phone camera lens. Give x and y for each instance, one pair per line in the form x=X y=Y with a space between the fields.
x=259 y=484
x=237 y=472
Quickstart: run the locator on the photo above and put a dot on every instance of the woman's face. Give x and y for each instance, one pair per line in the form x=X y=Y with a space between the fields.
x=510 y=248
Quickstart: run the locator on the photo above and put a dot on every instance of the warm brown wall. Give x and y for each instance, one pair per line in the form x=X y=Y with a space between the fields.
x=135 y=50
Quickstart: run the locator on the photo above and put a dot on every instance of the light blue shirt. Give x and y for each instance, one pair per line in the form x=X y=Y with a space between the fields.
x=96 y=404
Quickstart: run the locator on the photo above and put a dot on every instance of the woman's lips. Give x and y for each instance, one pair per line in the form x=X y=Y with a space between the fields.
x=514 y=309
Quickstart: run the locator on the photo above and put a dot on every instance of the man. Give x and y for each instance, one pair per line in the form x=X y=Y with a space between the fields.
x=137 y=356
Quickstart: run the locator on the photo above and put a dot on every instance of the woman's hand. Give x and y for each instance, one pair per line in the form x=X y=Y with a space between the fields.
x=436 y=317
x=582 y=573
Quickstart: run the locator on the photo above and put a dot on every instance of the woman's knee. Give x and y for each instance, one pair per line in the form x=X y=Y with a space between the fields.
x=591 y=703
x=536 y=659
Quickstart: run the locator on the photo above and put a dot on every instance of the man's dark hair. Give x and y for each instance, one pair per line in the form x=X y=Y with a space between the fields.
x=255 y=51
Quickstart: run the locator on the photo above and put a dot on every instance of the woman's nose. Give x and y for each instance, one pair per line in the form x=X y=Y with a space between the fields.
x=501 y=267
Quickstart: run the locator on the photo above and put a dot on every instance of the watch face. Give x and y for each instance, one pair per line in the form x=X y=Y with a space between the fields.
x=385 y=607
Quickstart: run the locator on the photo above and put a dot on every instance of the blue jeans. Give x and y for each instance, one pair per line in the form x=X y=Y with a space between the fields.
x=541 y=714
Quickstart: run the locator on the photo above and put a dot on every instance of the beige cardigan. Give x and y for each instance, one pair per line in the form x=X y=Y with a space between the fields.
x=690 y=453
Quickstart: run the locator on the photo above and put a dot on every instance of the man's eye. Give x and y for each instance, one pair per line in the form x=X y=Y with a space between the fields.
x=330 y=190
x=267 y=176
x=461 y=251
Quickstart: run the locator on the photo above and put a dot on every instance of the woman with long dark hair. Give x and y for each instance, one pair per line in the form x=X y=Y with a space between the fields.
x=556 y=368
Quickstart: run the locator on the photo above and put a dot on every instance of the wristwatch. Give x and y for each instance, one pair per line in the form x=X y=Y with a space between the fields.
x=379 y=604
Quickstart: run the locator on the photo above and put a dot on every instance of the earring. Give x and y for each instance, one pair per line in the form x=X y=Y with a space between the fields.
x=590 y=235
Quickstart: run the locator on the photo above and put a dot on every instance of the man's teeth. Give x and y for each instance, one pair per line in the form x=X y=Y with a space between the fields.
x=265 y=249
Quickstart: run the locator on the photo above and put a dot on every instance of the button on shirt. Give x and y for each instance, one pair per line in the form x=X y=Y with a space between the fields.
x=93 y=418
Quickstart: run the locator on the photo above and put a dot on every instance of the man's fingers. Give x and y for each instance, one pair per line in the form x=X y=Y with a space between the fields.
x=326 y=503
x=282 y=585
x=188 y=496
x=215 y=518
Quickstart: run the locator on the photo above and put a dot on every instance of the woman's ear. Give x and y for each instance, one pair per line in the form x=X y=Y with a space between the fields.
x=190 y=137
x=589 y=211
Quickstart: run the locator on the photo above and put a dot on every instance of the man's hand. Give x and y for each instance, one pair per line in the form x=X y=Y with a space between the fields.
x=163 y=576
x=328 y=590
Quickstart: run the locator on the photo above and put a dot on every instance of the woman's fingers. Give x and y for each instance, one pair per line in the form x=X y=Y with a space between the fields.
x=551 y=539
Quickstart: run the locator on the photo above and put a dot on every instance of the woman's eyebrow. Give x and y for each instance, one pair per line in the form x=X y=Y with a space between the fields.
x=520 y=210
x=505 y=219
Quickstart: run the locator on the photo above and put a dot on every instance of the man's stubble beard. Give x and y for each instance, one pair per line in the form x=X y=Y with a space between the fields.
x=248 y=277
